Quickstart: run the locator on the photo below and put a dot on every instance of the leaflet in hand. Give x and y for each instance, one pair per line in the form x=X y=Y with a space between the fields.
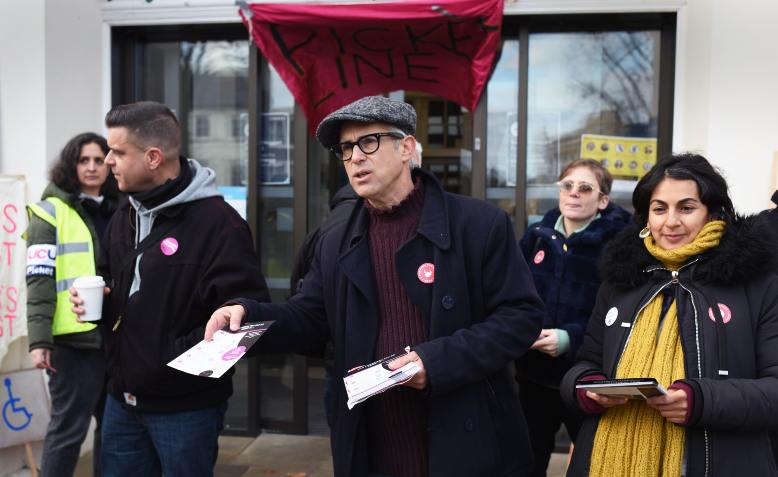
x=374 y=378
x=640 y=388
x=214 y=358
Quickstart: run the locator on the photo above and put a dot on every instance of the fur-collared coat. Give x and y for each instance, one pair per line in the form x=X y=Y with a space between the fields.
x=565 y=273
x=731 y=364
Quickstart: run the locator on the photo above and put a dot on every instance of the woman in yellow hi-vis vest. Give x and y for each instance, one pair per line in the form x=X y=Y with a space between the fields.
x=63 y=240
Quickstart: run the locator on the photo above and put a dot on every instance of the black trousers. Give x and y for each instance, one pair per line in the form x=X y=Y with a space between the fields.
x=77 y=393
x=545 y=412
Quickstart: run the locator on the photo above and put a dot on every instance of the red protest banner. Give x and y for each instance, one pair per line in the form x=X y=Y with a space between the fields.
x=331 y=55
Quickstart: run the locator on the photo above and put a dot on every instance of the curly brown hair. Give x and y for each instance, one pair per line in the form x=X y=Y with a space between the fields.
x=64 y=174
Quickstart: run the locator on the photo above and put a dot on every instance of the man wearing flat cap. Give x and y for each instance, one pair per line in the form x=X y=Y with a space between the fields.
x=420 y=267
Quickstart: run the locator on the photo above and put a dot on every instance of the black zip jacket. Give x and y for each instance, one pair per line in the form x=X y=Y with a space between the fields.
x=214 y=262
x=731 y=363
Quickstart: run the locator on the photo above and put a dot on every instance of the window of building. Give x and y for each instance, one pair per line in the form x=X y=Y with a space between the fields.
x=202 y=126
x=576 y=87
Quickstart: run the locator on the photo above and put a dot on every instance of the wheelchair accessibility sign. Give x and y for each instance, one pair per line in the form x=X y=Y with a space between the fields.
x=24 y=406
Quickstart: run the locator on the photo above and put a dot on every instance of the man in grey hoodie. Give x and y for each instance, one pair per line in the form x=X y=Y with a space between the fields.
x=172 y=253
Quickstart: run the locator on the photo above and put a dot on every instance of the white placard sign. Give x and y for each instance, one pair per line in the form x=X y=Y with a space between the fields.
x=13 y=290
x=24 y=407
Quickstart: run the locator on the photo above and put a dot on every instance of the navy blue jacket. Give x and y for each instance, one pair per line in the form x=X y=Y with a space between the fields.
x=482 y=313
x=565 y=271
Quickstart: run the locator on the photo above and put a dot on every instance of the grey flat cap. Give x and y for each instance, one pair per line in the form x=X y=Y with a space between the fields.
x=370 y=109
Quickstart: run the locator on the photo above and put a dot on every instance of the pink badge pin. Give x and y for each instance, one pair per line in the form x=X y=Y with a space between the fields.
x=539 y=257
x=169 y=246
x=726 y=313
x=426 y=273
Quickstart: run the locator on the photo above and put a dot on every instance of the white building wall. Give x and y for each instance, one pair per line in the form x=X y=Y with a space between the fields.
x=23 y=90
x=51 y=88
x=74 y=73
x=727 y=98
x=692 y=74
x=51 y=82
x=744 y=98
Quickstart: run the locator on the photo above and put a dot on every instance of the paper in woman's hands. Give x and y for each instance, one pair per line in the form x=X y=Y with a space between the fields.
x=214 y=358
x=366 y=381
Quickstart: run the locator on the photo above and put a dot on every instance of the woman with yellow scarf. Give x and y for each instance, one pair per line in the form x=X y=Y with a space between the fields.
x=691 y=301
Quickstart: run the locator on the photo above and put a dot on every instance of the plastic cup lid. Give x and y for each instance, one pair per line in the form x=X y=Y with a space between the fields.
x=89 y=282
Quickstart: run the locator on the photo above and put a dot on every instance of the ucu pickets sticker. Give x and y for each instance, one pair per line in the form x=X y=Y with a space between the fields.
x=726 y=313
x=610 y=317
x=169 y=246
x=41 y=260
x=426 y=273
x=539 y=257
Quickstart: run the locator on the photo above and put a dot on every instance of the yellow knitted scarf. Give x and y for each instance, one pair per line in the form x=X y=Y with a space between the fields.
x=633 y=440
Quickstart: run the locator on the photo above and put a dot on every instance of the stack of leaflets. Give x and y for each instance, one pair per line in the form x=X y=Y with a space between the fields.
x=635 y=388
x=366 y=381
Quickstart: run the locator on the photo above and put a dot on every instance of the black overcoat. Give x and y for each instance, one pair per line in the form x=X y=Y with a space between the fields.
x=482 y=312
x=730 y=360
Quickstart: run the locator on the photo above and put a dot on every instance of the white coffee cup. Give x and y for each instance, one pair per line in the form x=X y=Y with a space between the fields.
x=90 y=289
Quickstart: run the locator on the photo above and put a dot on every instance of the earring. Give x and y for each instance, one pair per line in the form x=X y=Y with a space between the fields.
x=644 y=232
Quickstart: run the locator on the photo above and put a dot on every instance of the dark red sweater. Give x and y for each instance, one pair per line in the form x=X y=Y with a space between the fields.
x=397 y=419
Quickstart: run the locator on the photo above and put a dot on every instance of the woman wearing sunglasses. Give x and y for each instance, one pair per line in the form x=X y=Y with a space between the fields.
x=562 y=251
x=689 y=298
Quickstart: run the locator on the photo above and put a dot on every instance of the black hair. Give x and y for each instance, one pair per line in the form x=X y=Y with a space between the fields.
x=64 y=174
x=149 y=123
x=711 y=186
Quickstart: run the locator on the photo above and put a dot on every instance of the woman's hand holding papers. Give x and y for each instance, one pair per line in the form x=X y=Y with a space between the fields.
x=672 y=406
x=606 y=401
x=419 y=380
x=227 y=315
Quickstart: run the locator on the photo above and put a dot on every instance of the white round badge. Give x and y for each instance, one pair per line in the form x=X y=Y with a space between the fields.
x=610 y=317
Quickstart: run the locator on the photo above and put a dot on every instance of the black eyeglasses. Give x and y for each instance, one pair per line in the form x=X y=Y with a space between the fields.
x=368 y=144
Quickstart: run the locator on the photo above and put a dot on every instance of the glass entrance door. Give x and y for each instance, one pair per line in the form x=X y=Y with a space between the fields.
x=202 y=74
x=445 y=131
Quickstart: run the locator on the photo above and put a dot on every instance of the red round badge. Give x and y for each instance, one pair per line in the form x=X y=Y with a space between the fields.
x=539 y=257
x=426 y=273
x=726 y=313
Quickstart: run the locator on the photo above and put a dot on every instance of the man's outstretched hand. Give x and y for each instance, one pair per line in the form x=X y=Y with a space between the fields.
x=227 y=315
